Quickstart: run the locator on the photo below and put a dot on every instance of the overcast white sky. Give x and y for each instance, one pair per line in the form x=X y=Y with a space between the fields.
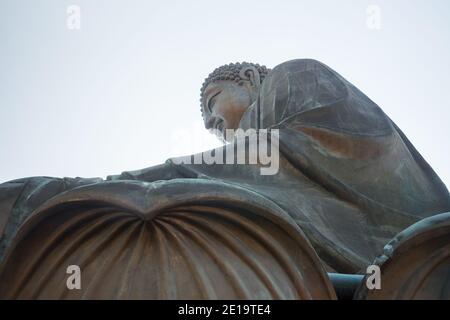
x=122 y=92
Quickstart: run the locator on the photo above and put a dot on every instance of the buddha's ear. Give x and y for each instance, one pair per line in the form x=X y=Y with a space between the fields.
x=250 y=73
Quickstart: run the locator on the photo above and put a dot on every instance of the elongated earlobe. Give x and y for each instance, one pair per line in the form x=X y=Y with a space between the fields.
x=251 y=74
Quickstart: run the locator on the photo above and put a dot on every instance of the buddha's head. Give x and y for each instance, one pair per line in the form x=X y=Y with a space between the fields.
x=227 y=93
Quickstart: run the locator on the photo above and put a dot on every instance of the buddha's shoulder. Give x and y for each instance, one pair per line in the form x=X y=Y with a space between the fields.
x=296 y=65
x=281 y=74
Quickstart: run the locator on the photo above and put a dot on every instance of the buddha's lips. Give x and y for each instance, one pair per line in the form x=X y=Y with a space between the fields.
x=219 y=125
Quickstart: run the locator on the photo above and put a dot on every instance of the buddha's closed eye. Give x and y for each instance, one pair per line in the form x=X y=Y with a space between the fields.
x=212 y=100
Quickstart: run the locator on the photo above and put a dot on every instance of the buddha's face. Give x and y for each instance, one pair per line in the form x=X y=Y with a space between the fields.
x=224 y=102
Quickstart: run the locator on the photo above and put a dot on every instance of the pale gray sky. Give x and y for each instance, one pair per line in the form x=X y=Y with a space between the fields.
x=122 y=92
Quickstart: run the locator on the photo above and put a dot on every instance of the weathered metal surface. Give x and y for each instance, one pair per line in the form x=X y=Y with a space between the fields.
x=416 y=263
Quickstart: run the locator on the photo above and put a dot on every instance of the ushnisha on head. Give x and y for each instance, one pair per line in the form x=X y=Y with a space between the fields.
x=227 y=93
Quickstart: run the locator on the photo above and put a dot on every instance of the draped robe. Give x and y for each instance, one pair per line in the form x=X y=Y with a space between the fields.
x=347 y=175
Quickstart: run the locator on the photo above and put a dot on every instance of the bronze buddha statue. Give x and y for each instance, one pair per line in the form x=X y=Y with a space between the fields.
x=347 y=182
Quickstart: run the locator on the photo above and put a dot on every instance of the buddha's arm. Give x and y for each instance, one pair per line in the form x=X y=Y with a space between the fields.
x=165 y=171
